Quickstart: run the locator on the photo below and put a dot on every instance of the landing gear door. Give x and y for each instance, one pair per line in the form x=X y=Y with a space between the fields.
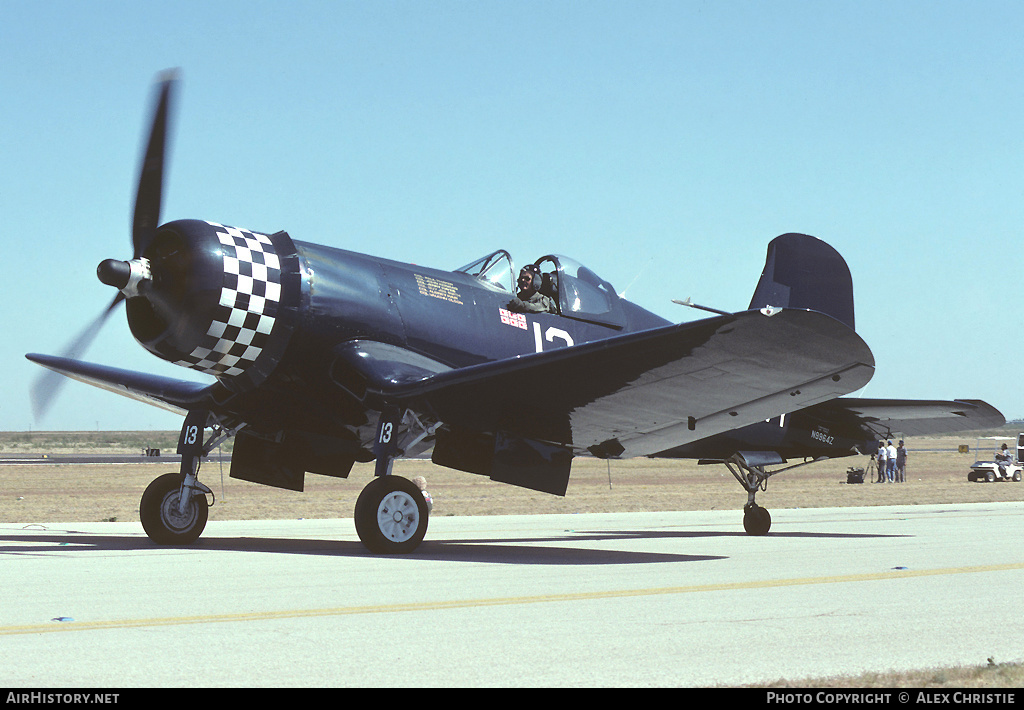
x=190 y=441
x=580 y=293
x=1020 y=448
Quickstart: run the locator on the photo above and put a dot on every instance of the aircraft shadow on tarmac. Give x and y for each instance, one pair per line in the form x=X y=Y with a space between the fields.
x=524 y=550
x=551 y=550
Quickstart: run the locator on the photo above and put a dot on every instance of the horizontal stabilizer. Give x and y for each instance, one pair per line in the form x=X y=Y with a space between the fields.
x=880 y=418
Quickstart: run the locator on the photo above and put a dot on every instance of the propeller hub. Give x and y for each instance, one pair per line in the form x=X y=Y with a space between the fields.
x=127 y=276
x=114 y=273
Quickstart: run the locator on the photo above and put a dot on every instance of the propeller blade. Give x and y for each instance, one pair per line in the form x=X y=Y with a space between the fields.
x=45 y=388
x=151 y=172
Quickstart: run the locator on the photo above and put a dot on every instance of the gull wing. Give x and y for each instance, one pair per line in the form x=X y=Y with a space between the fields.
x=641 y=393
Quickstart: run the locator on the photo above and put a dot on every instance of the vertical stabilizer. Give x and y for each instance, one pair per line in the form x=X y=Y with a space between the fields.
x=801 y=271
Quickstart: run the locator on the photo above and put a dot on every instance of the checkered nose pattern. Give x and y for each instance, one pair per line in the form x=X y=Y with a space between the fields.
x=249 y=300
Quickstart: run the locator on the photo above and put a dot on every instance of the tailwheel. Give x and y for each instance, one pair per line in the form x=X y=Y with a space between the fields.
x=756 y=520
x=166 y=520
x=749 y=468
x=391 y=515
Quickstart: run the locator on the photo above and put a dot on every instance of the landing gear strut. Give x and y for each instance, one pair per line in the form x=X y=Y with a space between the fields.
x=174 y=508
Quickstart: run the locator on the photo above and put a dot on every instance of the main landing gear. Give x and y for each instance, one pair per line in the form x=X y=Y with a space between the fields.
x=391 y=512
x=174 y=508
x=173 y=513
x=391 y=515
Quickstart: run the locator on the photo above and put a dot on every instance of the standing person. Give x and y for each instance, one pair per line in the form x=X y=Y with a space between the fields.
x=901 y=463
x=890 y=468
x=880 y=457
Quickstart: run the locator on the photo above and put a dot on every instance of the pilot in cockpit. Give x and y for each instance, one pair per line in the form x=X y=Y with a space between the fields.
x=529 y=299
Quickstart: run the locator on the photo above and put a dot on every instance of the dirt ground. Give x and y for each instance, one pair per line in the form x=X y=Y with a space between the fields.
x=936 y=473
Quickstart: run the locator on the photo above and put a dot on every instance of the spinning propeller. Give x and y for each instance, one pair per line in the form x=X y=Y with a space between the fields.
x=131 y=278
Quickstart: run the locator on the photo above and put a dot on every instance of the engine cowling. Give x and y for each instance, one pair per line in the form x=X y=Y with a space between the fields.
x=212 y=298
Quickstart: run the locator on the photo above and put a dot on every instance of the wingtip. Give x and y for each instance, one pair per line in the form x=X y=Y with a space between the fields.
x=41 y=359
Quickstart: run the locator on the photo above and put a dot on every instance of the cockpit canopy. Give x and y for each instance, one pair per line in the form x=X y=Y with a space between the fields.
x=579 y=292
x=495 y=269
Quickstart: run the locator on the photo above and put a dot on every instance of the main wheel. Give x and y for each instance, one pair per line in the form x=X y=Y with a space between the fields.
x=756 y=520
x=391 y=515
x=161 y=519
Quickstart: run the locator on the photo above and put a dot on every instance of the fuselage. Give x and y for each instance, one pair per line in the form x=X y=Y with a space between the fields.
x=273 y=318
x=450 y=316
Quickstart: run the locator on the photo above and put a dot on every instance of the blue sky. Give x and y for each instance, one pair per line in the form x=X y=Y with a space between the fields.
x=664 y=144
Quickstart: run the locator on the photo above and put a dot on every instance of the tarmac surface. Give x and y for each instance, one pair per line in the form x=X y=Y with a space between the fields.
x=630 y=599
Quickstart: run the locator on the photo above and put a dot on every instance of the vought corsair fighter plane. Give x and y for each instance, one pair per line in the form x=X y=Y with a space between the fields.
x=323 y=357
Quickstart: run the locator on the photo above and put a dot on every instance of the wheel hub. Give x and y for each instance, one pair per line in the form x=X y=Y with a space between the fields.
x=397 y=516
x=174 y=518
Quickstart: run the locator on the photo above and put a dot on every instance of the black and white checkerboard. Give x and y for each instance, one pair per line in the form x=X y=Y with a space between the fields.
x=248 y=306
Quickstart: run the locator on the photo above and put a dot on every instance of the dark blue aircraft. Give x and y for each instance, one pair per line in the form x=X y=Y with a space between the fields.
x=324 y=357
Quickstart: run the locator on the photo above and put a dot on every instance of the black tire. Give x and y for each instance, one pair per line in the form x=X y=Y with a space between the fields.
x=756 y=520
x=159 y=512
x=391 y=516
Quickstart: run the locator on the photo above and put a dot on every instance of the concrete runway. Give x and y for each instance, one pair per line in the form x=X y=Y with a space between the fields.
x=635 y=599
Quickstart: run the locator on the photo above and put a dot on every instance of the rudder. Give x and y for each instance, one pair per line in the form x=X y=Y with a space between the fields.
x=802 y=271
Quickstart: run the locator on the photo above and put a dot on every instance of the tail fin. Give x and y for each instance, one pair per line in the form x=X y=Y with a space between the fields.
x=804 y=272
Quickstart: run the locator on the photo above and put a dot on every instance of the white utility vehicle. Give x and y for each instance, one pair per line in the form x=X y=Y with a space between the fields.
x=1000 y=465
